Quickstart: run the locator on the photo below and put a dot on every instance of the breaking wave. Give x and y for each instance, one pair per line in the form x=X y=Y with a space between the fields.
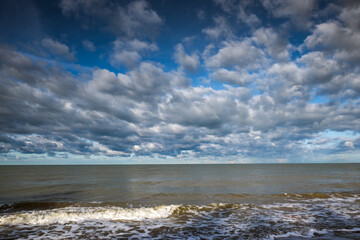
x=76 y=214
x=292 y=216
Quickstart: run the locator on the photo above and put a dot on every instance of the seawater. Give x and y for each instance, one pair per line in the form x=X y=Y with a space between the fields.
x=263 y=201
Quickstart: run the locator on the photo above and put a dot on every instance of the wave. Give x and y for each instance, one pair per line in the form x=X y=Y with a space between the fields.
x=76 y=214
x=296 y=216
x=296 y=207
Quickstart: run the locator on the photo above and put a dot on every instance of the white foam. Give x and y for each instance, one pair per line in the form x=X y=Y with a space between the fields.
x=350 y=230
x=76 y=214
x=309 y=234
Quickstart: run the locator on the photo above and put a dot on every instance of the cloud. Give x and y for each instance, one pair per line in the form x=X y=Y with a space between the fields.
x=249 y=18
x=58 y=49
x=201 y=14
x=127 y=52
x=275 y=43
x=269 y=92
x=136 y=19
x=127 y=58
x=221 y=29
x=149 y=111
x=349 y=144
x=299 y=12
x=349 y=15
x=188 y=62
x=336 y=39
x=231 y=77
x=89 y=7
x=241 y=10
x=88 y=45
x=237 y=54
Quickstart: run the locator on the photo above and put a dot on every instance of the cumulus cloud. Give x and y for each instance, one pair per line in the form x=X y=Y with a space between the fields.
x=58 y=49
x=221 y=29
x=231 y=77
x=134 y=20
x=188 y=62
x=349 y=15
x=127 y=52
x=276 y=44
x=266 y=95
x=242 y=54
x=299 y=12
x=241 y=10
x=150 y=111
x=137 y=18
x=336 y=39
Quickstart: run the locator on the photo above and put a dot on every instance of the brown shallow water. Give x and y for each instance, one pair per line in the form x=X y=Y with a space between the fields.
x=286 y=201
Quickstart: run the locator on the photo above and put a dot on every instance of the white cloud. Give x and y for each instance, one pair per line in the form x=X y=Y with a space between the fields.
x=231 y=77
x=188 y=62
x=262 y=100
x=127 y=52
x=242 y=54
x=126 y=58
x=349 y=144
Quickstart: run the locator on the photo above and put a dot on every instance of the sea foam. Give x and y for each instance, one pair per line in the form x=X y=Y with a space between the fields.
x=76 y=214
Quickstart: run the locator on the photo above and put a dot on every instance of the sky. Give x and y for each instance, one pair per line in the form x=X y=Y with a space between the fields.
x=165 y=81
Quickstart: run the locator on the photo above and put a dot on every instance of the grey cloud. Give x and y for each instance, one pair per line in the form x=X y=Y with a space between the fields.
x=315 y=72
x=242 y=54
x=127 y=52
x=241 y=10
x=204 y=107
x=231 y=77
x=88 y=6
x=275 y=43
x=136 y=45
x=88 y=45
x=18 y=67
x=226 y=5
x=58 y=49
x=126 y=58
x=149 y=111
x=336 y=39
x=318 y=68
x=299 y=12
x=188 y=62
x=221 y=29
x=350 y=15
x=249 y=18
x=136 y=19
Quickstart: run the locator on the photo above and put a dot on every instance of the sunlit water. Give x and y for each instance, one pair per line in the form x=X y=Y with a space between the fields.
x=319 y=201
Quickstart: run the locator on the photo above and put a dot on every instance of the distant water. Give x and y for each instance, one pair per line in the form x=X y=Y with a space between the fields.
x=280 y=201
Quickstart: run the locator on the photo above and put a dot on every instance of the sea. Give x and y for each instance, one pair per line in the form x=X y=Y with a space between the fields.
x=235 y=201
